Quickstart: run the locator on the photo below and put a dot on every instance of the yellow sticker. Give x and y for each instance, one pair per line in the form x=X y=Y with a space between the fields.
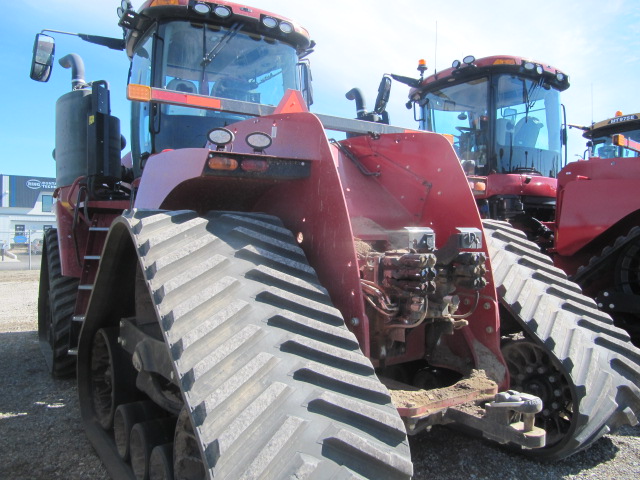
x=91 y=119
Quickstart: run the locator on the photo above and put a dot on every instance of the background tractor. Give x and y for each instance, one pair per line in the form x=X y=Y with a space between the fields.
x=508 y=126
x=597 y=228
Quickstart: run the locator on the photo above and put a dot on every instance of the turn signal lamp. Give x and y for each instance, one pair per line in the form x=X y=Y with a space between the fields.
x=618 y=139
x=141 y=93
x=222 y=163
x=160 y=3
x=449 y=137
x=478 y=187
x=504 y=61
x=618 y=113
x=254 y=165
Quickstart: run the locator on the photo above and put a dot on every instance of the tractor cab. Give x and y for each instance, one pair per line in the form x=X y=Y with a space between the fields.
x=504 y=114
x=195 y=56
x=617 y=137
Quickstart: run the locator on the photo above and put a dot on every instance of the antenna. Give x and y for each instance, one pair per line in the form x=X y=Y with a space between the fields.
x=435 y=53
x=591 y=103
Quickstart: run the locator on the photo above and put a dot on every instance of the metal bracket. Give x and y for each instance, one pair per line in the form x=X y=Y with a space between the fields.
x=469 y=238
x=496 y=423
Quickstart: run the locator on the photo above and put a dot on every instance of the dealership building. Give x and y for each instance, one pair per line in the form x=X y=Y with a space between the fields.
x=27 y=208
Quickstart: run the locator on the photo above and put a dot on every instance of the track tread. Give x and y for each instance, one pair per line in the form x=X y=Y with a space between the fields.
x=270 y=374
x=598 y=358
x=60 y=293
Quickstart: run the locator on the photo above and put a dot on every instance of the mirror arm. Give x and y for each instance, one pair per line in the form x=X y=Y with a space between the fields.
x=112 y=43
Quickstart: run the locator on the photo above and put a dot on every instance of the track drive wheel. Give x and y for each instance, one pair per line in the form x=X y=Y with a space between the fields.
x=230 y=331
x=627 y=280
x=585 y=369
x=56 y=301
x=533 y=371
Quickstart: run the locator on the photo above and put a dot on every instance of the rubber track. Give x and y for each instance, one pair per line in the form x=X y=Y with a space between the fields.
x=606 y=256
x=597 y=358
x=276 y=385
x=61 y=293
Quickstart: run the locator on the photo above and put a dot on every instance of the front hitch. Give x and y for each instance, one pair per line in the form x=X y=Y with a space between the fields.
x=474 y=401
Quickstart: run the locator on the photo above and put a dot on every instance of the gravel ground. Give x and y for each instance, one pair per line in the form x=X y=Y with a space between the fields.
x=41 y=435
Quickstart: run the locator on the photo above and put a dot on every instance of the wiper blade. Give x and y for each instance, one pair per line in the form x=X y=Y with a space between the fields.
x=217 y=48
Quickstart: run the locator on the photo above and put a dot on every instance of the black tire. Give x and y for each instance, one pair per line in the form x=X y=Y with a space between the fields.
x=56 y=301
x=274 y=384
x=599 y=366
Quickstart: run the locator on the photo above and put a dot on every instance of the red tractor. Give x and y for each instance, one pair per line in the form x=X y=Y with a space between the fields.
x=597 y=228
x=241 y=297
x=508 y=127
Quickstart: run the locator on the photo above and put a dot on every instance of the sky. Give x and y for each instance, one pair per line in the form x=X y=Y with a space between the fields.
x=596 y=43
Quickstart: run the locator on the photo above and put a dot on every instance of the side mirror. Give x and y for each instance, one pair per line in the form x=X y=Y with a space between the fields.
x=384 y=90
x=305 y=81
x=42 y=61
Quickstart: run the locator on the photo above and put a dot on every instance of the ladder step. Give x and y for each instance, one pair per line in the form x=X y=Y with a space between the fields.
x=92 y=257
x=78 y=318
x=72 y=351
x=98 y=229
x=85 y=287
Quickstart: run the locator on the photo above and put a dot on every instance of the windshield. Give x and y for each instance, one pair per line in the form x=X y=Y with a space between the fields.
x=512 y=127
x=226 y=63
x=603 y=146
x=205 y=60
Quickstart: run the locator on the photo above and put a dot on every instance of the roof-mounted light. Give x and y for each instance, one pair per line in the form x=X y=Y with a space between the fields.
x=220 y=137
x=222 y=11
x=124 y=7
x=202 y=8
x=560 y=76
x=269 y=22
x=529 y=65
x=468 y=60
x=286 y=27
x=456 y=64
x=259 y=141
x=422 y=66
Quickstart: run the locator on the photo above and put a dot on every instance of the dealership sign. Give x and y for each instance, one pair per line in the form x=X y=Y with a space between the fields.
x=35 y=184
